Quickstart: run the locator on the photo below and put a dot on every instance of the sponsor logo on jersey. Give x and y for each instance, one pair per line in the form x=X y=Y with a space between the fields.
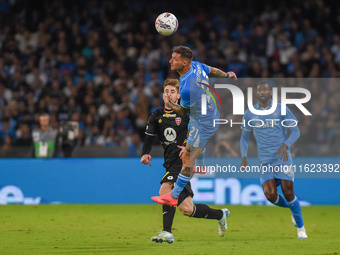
x=167 y=115
x=170 y=134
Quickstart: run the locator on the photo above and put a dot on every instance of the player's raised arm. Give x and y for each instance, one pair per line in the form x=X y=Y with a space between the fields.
x=219 y=73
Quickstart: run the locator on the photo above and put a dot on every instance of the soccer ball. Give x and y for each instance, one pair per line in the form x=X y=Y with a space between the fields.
x=166 y=24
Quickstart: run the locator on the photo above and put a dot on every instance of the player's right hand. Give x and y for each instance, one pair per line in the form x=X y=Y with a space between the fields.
x=167 y=100
x=244 y=164
x=146 y=158
x=232 y=75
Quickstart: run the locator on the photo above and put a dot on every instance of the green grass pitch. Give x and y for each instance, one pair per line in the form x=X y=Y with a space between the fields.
x=127 y=229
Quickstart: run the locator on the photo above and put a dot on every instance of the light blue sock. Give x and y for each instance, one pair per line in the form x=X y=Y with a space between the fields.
x=182 y=181
x=296 y=211
x=281 y=201
x=199 y=161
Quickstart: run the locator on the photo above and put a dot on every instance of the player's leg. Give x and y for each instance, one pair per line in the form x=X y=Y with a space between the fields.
x=183 y=178
x=270 y=191
x=168 y=211
x=188 y=208
x=294 y=205
x=168 y=215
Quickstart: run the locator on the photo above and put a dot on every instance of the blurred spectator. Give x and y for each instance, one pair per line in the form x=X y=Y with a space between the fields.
x=45 y=138
x=135 y=146
x=95 y=138
x=8 y=143
x=24 y=136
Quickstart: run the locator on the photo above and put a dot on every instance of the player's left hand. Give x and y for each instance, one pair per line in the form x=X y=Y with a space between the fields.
x=231 y=75
x=282 y=152
x=182 y=150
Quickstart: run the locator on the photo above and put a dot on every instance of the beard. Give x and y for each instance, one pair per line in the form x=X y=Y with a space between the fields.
x=177 y=69
x=263 y=100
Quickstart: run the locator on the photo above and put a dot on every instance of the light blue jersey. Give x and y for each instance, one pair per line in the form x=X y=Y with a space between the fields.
x=191 y=90
x=270 y=132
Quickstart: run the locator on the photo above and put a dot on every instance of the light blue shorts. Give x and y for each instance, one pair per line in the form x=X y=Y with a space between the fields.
x=277 y=170
x=200 y=134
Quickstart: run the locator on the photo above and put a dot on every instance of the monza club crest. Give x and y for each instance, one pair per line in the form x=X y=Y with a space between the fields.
x=178 y=120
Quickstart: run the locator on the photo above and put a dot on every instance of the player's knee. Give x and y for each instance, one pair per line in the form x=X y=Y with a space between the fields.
x=289 y=194
x=186 y=210
x=271 y=195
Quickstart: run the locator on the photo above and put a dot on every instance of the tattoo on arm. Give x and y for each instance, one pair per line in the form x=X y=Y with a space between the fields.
x=186 y=171
x=217 y=72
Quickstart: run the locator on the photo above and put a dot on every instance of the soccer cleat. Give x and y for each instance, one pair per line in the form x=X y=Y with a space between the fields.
x=293 y=220
x=222 y=223
x=163 y=236
x=165 y=200
x=301 y=232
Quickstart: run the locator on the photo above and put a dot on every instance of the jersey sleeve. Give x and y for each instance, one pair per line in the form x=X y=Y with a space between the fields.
x=291 y=122
x=151 y=126
x=206 y=68
x=246 y=118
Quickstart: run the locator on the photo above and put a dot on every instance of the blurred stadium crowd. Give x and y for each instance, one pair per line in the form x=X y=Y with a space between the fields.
x=102 y=64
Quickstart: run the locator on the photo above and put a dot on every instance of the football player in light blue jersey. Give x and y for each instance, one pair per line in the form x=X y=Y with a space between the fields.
x=194 y=82
x=273 y=151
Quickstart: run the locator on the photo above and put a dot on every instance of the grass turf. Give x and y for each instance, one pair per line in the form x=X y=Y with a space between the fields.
x=127 y=229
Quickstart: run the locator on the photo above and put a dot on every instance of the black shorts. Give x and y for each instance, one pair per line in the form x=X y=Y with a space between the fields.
x=171 y=176
x=172 y=171
x=174 y=166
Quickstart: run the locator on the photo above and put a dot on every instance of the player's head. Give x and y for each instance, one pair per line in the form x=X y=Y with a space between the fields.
x=181 y=57
x=263 y=92
x=171 y=87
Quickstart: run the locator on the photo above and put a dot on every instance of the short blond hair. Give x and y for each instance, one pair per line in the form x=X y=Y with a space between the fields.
x=171 y=82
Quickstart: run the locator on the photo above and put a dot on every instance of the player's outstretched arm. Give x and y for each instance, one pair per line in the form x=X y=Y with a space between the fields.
x=219 y=73
x=244 y=148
